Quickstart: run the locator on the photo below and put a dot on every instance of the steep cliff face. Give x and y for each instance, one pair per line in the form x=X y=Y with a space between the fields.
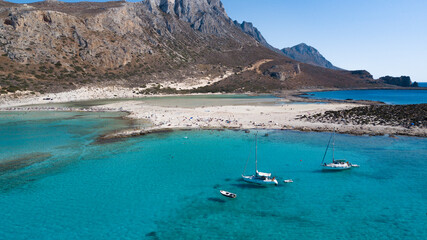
x=112 y=37
x=308 y=54
x=252 y=31
x=205 y=16
x=49 y=36
x=248 y=28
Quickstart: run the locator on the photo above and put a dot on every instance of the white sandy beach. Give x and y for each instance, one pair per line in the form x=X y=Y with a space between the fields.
x=280 y=116
x=248 y=117
x=81 y=94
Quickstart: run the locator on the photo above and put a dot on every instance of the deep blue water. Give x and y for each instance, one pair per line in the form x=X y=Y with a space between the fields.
x=387 y=96
x=57 y=183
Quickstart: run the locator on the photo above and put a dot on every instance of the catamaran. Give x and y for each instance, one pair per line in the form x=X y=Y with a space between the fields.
x=260 y=178
x=336 y=164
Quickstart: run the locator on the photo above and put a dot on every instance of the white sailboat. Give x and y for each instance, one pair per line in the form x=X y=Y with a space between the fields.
x=336 y=164
x=260 y=178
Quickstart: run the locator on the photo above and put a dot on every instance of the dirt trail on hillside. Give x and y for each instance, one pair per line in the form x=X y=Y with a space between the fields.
x=258 y=64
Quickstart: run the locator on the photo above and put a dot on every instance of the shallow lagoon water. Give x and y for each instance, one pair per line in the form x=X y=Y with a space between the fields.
x=185 y=101
x=386 y=96
x=166 y=186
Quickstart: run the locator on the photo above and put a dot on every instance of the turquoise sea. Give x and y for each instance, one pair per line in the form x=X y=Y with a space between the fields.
x=57 y=182
x=386 y=96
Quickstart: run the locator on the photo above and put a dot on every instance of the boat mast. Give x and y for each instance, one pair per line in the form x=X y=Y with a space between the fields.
x=256 y=153
x=327 y=147
x=333 y=148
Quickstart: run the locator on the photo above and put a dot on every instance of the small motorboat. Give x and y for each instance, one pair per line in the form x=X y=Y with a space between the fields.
x=354 y=165
x=288 y=181
x=228 y=194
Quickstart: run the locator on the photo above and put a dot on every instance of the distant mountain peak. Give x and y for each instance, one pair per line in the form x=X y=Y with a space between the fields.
x=302 y=45
x=308 y=54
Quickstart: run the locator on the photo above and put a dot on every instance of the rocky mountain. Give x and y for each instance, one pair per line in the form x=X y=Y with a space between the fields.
x=252 y=31
x=308 y=54
x=55 y=46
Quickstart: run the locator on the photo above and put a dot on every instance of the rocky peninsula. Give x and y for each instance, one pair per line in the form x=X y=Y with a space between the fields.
x=408 y=118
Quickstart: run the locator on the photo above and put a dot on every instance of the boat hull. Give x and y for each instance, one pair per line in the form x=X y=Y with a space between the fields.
x=255 y=180
x=328 y=168
x=228 y=194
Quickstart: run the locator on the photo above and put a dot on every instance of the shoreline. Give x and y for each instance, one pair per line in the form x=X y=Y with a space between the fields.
x=283 y=116
x=303 y=126
x=116 y=136
x=88 y=93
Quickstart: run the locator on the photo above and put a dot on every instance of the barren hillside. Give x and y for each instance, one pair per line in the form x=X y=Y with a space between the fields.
x=55 y=46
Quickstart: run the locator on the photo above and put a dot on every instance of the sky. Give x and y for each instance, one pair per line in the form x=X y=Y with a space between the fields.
x=385 y=37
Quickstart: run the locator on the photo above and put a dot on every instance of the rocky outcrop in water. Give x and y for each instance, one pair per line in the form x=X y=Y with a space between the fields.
x=386 y=115
x=403 y=81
